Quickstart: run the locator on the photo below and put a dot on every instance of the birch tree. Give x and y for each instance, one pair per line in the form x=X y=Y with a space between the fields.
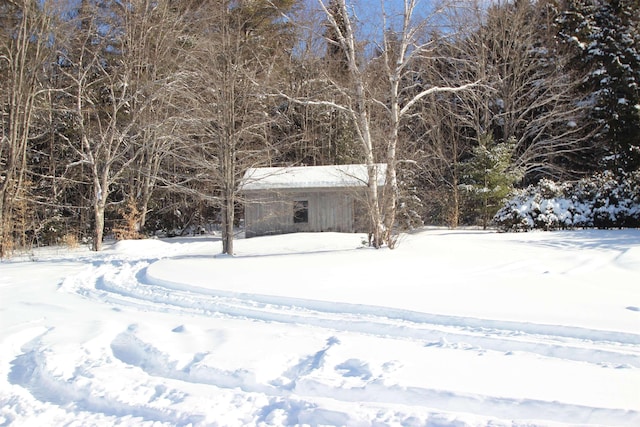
x=344 y=39
x=402 y=45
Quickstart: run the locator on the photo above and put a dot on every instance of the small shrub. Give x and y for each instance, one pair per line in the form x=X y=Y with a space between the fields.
x=129 y=227
x=70 y=240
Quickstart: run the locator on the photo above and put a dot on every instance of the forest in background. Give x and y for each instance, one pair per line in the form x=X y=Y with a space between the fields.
x=126 y=118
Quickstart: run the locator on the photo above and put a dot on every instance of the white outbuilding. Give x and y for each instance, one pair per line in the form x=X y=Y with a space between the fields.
x=307 y=199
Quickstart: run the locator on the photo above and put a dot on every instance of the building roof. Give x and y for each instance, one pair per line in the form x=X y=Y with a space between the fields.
x=336 y=176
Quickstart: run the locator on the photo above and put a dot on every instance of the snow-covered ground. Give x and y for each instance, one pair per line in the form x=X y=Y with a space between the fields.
x=453 y=328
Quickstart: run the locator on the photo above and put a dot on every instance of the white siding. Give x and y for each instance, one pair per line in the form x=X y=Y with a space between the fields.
x=271 y=212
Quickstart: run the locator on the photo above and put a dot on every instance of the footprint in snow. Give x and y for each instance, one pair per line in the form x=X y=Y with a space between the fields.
x=354 y=368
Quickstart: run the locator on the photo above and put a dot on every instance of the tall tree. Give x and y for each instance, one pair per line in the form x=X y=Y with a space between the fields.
x=535 y=90
x=353 y=85
x=393 y=93
x=151 y=32
x=25 y=31
x=107 y=96
x=229 y=66
x=605 y=36
x=528 y=94
x=402 y=50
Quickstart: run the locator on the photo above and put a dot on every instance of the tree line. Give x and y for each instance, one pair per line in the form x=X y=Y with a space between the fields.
x=125 y=117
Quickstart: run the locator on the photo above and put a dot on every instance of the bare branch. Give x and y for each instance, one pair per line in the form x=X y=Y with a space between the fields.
x=433 y=90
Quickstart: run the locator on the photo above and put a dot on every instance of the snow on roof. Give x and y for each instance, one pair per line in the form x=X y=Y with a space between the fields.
x=335 y=176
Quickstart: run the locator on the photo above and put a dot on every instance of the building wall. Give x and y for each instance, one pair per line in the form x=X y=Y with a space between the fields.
x=272 y=212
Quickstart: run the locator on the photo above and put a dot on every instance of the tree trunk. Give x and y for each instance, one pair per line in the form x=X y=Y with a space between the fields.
x=148 y=183
x=144 y=207
x=454 y=215
x=361 y=119
x=4 y=235
x=227 y=224
x=376 y=230
x=227 y=169
x=100 y=195
x=391 y=183
x=98 y=227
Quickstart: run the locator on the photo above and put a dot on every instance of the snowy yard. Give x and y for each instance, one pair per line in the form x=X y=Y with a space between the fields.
x=453 y=328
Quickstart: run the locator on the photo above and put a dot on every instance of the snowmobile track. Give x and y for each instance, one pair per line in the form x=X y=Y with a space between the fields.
x=609 y=349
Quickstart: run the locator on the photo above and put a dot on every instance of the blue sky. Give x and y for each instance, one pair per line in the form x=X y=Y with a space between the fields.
x=369 y=14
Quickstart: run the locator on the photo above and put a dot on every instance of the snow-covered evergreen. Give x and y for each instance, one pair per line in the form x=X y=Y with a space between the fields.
x=606 y=37
x=602 y=201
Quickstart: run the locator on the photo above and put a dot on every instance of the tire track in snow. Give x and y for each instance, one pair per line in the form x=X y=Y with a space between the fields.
x=82 y=393
x=129 y=285
x=132 y=350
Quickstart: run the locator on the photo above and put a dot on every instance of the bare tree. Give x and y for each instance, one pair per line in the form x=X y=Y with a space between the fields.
x=402 y=49
x=527 y=95
x=229 y=65
x=534 y=89
x=356 y=105
x=152 y=31
x=395 y=94
x=108 y=93
x=443 y=130
x=24 y=50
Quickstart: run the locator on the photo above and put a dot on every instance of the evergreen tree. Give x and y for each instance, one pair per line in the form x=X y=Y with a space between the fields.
x=606 y=38
x=488 y=177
